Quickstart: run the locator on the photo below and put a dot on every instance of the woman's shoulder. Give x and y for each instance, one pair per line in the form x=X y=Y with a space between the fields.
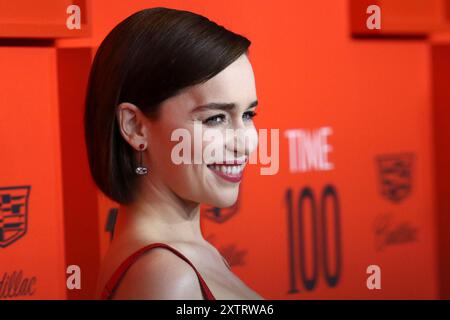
x=155 y=274
x=159 y=274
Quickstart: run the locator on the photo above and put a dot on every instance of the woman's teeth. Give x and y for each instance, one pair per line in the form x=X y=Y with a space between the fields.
x=231 y=170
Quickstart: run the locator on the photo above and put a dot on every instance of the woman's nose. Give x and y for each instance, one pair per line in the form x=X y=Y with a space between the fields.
x=244 y=139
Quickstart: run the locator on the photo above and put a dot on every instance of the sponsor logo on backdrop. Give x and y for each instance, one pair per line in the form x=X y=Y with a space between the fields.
x=13 y=214
x=388 y=232
x=322 y=210
x=230 y=252
x=308 y=149
x=395 y=175
x=313 y=214
x=15 y=284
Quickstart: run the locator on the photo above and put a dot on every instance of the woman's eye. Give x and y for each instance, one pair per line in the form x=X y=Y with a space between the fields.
x=215 y=120
x=220 y=118
x=249 y=115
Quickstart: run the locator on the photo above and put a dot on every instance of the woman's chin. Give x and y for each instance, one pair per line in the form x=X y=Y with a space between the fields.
x=223 y=202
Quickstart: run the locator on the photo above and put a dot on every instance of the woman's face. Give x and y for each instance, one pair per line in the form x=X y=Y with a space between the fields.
x=222 y=109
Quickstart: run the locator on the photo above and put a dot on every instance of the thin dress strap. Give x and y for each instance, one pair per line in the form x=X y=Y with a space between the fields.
x=113 y=282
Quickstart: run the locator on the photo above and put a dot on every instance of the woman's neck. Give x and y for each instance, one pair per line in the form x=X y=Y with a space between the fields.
x=160 y=214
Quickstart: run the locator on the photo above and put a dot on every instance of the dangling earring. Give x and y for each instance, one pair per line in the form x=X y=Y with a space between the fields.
x=141 y=170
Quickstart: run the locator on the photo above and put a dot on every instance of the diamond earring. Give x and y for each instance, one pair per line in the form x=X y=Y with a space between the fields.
x=141 y=170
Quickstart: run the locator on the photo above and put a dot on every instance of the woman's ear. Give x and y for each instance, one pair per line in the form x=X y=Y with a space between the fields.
x=133 y=124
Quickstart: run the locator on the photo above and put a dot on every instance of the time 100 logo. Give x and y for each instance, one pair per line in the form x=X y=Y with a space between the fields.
x=322 y=207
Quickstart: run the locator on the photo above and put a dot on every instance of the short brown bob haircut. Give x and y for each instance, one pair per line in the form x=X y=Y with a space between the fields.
x=148 y=57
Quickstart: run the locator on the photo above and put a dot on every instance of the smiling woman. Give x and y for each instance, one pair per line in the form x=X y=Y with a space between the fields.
x=149 y=77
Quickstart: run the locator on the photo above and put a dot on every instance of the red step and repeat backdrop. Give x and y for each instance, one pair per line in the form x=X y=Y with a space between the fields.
x=361 y=113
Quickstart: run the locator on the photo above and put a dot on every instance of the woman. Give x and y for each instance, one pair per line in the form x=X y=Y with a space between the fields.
x=159 y=71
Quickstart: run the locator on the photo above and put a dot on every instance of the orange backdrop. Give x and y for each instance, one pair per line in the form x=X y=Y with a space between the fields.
x=363 y=129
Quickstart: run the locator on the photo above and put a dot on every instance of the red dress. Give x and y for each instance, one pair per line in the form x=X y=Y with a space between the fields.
x=120 y=271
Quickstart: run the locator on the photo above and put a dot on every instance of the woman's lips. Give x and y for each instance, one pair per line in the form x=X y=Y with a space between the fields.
x=228 y=172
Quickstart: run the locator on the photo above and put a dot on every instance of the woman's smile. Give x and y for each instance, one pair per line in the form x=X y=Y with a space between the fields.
x=230 y=171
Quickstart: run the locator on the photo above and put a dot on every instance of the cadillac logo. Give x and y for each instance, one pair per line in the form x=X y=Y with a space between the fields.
x=395 y=175
x=13 y=214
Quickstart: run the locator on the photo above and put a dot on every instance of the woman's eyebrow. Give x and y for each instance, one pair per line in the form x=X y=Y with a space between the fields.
x=221 y=106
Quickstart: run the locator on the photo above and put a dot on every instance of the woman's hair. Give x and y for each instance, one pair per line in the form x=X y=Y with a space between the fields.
x=148 y=57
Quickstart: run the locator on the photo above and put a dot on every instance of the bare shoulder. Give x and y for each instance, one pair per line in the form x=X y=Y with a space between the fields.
x=159 y=274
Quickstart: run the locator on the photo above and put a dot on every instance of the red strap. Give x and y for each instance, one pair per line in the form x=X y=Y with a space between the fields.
x=120 y=271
